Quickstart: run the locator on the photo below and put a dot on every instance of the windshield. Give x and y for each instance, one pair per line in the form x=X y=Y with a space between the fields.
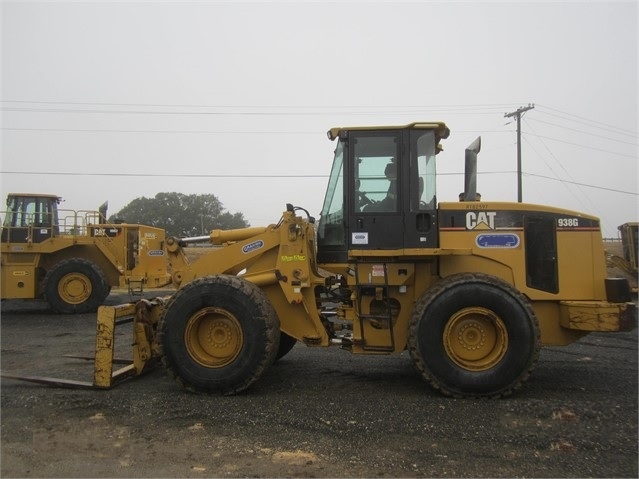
x=331 y=224
x=30 y=211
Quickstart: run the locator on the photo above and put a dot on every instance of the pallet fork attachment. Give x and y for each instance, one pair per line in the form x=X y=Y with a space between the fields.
x=144 y=315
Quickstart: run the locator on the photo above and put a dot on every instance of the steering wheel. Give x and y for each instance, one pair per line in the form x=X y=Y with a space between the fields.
x=363 y=200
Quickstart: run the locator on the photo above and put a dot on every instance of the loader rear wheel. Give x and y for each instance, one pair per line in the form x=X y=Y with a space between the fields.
x=219 y=334
x=474 y=335
x=75 y=286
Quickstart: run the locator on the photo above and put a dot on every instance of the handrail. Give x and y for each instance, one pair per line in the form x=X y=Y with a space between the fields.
x=70 y=223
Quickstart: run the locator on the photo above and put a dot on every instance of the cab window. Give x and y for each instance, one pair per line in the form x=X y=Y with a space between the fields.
x=376 y=174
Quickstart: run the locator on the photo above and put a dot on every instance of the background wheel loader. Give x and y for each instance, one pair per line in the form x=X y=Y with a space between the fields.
x=471 y=289
x=73 y=258
x=629 y=233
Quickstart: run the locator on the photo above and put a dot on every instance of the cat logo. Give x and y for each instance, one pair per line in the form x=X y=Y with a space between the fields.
x=480 y=220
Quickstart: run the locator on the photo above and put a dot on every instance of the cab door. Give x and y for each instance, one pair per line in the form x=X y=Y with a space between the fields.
x=377 y=192
x=421 y=208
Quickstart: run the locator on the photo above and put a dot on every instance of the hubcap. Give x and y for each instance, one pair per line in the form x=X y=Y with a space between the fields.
x=475 y=338
x=74 y=288
x=213 y=337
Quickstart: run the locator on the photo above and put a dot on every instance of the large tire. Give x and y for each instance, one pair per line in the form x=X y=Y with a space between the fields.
x=218 y=334
x=75 y=286
x=474 y=335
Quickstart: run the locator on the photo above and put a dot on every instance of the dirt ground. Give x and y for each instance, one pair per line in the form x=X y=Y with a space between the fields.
x=316 y=413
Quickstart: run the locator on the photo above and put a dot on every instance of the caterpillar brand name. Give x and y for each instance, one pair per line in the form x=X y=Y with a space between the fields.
x=480 y=220
x=255 y=245
x=156 y=252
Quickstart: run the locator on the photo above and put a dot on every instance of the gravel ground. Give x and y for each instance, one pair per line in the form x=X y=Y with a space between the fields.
x=316 y=413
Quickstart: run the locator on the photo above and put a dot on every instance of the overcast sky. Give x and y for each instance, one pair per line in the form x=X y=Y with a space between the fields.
x=118 y=100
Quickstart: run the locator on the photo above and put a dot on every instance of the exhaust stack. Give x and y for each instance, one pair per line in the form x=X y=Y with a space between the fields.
x=470 y=174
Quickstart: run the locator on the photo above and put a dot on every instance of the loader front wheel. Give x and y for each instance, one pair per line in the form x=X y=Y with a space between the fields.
x=474 y=335
x=219 y=334
x=75 y=286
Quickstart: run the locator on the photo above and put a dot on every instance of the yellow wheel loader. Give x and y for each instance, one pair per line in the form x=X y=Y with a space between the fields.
x=629 y=233
x=72 y=259
x=471 y=289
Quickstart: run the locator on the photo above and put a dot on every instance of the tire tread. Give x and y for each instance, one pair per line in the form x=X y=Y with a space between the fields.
x=445 y=285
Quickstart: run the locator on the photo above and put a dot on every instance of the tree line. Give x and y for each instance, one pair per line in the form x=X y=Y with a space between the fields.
x=179 y=214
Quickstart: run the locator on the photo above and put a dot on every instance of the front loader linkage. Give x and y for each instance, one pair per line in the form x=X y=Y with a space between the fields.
x=144 y=315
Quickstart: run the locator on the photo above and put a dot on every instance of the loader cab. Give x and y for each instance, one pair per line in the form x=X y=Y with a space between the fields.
x=381 y=192
x=30 y=218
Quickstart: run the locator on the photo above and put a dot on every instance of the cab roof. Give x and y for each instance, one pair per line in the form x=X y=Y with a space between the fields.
x=33 y=195
x=441 y=130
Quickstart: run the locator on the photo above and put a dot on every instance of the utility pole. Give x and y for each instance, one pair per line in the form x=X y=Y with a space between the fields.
x=517 y=113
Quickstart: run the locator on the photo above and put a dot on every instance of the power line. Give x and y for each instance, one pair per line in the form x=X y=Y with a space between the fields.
x=633 y=193
x=246 y=110
x=220 y=132
x=204 y=175
x=584 y=132
x=564 y=182
x=587 y=121
x=240 y=113
x=162 y=175
x=257 y=107
x=585 y=146
x=303 y=176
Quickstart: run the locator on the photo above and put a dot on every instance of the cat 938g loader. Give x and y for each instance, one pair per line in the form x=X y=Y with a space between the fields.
x=73 y=258
x=471 y=289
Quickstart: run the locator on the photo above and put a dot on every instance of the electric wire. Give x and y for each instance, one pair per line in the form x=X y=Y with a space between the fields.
x=635 y=144
x=585 y=121
x=590 y=148
x=287 y=110
x=614 y=190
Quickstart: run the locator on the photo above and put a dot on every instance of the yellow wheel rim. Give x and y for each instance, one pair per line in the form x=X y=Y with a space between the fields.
x=213 y=337
x=74 y=288
x=475 y=339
